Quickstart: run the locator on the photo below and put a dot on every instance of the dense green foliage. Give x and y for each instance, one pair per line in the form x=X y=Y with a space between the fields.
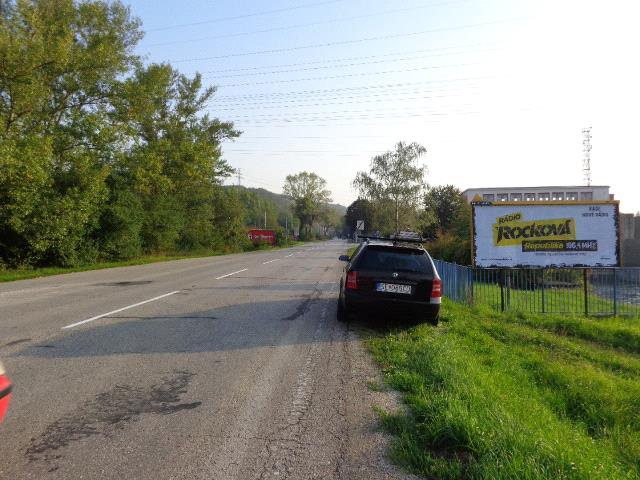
x=258 y=212
x=310 y=200
x=448 y=224
x=102 y=157
x=360 y=209
x=504 y=396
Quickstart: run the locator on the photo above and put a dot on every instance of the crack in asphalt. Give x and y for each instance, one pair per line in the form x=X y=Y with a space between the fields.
x=303 y=307
x=123 y=284
x=16 y=342
x=281 y=449
x=110 y=411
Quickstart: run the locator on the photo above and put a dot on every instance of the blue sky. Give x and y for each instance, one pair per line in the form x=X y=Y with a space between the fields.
x=497 y=90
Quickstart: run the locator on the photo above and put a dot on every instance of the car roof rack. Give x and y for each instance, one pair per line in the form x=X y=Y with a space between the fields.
x=395 y=240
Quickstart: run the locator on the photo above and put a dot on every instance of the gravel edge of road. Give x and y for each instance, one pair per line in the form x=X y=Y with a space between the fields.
x=366 y=373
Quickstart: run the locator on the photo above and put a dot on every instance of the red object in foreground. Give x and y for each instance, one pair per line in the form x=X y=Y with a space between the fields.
x=5 y=394
x=262 y=236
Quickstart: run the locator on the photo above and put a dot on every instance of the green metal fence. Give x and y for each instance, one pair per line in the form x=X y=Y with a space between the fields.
x=595 y=292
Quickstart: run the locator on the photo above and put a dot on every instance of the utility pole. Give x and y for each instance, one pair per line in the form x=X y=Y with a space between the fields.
x=239 y=177
x=265 y=219
x=586 y=150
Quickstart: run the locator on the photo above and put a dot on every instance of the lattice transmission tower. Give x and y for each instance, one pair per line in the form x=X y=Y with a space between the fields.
x=586 y=151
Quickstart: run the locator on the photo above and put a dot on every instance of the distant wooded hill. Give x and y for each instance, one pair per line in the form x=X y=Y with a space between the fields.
x=282 y=202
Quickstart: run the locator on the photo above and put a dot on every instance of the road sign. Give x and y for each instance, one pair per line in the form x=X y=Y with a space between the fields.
x=360 y=225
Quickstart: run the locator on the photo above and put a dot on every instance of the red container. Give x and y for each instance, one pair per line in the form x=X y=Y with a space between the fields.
x=262 y=236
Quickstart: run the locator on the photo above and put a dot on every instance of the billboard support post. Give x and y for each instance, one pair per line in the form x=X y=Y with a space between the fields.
x=586 y=292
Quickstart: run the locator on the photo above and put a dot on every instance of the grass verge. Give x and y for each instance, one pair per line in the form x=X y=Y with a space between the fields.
x=506 y=396
x=27 y=273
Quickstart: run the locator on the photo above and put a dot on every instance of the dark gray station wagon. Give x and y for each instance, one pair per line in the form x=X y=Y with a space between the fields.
x=390 y=277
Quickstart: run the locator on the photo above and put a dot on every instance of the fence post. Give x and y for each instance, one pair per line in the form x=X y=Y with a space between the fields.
x=543 y=306
x=615 y=292
x=470 y=280
x=586 y=292
x=502 y=290
x=455 y=281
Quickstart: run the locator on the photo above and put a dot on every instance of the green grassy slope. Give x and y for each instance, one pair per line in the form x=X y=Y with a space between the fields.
x=514 y=396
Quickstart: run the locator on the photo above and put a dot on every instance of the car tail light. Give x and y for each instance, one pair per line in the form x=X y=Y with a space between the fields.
x=352 y=280
x=436 y=289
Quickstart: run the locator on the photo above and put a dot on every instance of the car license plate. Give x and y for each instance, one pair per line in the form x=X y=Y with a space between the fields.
x=393 y=288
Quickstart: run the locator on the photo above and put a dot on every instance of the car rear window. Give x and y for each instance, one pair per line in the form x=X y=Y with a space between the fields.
x=394 y=259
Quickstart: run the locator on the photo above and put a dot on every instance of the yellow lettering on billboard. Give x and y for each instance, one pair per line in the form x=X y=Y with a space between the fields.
x=510 y=233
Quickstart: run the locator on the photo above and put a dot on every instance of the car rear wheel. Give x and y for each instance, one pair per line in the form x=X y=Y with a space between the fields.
x=342 y=314
x=433 y=320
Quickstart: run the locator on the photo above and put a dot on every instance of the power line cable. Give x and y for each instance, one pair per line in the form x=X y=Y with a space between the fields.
x=344 y=65
x=315 y=92
x=338 y=60
x=261 y=182
x=358 y=117
x=373 y=98
x=290 y=121
x=304 y=25
x=289 y=137
x=349 y=42
x=267 y=154
x=366 y=110
x=315 y=151
x=304 y=105
x=345 y=95
x=385 y=122
x=247 y=15
x=349 y=75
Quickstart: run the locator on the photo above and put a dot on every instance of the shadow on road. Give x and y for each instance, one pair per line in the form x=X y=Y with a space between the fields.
x=279 y=287
x=244 y=326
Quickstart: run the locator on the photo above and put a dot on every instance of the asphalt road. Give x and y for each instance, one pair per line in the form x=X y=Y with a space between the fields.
x=234 y=368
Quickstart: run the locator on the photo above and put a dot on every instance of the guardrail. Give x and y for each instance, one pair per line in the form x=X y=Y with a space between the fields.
x=594 y=292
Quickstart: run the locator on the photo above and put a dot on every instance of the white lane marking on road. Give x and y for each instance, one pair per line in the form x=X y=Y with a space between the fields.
x=290 y=255
x=232 y=273
x=120 y=310
x=274 y=260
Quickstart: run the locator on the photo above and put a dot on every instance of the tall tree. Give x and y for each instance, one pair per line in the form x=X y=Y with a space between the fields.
x=445 y=203
x=61 y=62
x=100 y=156
x=310 y=197
x=359 y=209
x=395 y=182
x=174 y=163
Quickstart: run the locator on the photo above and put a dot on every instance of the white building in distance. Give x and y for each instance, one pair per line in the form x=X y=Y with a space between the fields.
x=539 y=194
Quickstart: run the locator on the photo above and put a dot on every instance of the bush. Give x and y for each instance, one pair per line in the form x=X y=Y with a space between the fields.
x=451 y=248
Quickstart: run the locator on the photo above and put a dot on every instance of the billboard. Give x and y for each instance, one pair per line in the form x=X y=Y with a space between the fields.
x=257 y=236
x=546 y=234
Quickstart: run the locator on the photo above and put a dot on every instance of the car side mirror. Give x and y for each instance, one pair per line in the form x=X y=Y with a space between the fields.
x=344 y=258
